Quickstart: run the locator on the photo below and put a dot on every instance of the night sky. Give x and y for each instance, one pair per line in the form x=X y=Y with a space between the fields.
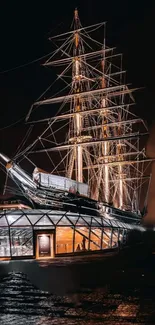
x=24 y=30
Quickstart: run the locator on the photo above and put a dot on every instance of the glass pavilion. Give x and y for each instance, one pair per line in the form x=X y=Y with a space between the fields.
x=46 y=233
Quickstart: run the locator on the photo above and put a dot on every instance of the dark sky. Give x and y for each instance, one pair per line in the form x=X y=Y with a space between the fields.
x=24 y=30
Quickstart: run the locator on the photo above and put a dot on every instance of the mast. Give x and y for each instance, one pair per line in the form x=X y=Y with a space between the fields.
x=105 y=145
x=76 y=81
x=102 y=143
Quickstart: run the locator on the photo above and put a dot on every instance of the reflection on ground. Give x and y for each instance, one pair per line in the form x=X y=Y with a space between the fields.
x=119 y=303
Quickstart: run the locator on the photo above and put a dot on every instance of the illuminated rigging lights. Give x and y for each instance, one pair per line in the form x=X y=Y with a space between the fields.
x=102 y=146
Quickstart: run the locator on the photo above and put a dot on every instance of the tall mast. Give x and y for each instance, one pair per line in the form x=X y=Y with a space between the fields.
x=101 y=147
x=119 y=151
x=76 y=82
x=105 y=145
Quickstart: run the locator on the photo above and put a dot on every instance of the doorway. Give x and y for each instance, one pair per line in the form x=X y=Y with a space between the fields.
x=44 y=245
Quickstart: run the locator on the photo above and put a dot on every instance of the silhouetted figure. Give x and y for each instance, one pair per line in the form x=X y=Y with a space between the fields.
x=78 y=249
x=84 y=243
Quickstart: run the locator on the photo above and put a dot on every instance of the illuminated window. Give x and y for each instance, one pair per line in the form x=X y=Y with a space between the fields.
x=4 y=242
x=95 y=238
x=64 y=240
x=21 y=241
x=81 y=239
x=106 y=241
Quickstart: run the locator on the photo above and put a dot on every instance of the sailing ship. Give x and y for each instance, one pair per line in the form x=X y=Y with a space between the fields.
x=93 y=142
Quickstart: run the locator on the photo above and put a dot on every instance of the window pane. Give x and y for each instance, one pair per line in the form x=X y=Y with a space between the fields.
x=64 y=222
x=55 y=218
x=81 y=222
x=4 y=242
x=95 y=222
x=115 y=238
x=106 y=238
x=22 y=221
x=33 y=218
x=95 y=238
x=81 y=239
x=21 y=241
x=64 y=240
x=44 y=221
x=12 y=218
x=3 y=222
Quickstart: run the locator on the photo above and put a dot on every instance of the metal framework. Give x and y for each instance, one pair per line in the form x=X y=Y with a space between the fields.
x=69 y=228
x=102 y=146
